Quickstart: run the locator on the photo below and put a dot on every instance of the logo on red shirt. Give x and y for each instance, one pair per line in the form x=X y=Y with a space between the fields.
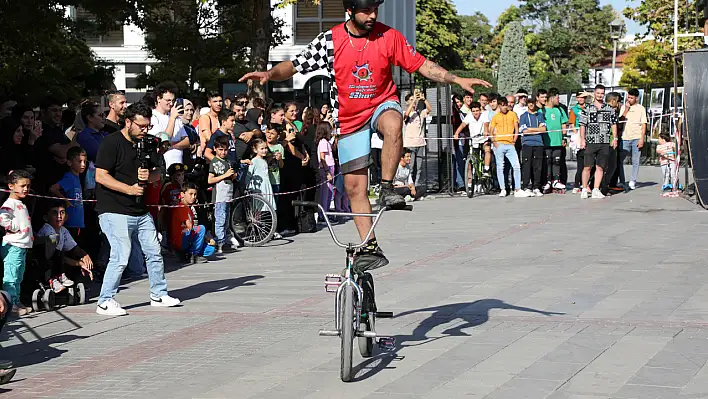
x=363 y=73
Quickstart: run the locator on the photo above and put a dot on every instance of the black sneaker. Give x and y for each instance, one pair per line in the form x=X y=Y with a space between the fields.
x=369 y=257
x=390 y=198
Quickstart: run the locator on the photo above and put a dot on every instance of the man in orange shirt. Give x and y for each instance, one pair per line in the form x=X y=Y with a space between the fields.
x=504 y=130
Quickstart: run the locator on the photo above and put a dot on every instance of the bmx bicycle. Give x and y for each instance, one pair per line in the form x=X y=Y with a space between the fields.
x=475 y=180
x=254 y=220
x=355 y=311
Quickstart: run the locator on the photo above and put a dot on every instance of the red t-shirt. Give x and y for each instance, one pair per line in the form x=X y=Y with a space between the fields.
x=360 y=69
x=178 y=217
x=151 y=197
x=170 y=194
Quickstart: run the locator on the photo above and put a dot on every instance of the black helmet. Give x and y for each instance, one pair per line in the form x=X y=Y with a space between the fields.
x=359 y=4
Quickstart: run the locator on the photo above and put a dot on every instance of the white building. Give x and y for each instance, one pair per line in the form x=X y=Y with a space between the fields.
x=124 y=48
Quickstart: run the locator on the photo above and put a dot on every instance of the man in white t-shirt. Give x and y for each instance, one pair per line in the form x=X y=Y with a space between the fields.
x=164 y=119
x=478 y=123
x=521 y=106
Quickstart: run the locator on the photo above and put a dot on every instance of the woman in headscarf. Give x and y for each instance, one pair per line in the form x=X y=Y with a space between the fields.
x=254 y=117
x=15 y=154
x=32 y=129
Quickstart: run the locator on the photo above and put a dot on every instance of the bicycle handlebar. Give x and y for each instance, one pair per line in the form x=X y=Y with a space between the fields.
x=375 y=216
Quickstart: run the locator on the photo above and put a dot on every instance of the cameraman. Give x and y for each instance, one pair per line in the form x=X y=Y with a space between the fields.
x=122 y=211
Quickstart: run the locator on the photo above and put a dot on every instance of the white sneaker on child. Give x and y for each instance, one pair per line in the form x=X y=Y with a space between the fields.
x=56 y=285
x=502 y=193
x=537 y=193
x=597 y=194
x=584 y=194
x=164 y=301
x=65 y=281
x=235 y=243
x=110 y=308
x=558 y=185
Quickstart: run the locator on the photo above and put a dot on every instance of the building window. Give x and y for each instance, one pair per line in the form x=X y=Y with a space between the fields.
x=134 y=68
x=311 y=19
x=131 y=83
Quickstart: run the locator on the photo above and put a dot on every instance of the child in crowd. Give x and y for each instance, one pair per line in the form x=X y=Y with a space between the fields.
x=15 y=219
x=667 y=158
x=325 y=156
x=257 y=178
x=60 y=249
x=69 y=188
x=186 y=234
x=222 y=175
x=276 y=161
x=170 y=195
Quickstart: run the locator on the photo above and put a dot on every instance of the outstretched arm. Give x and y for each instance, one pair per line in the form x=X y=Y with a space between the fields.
x=283 y=71
x=436 y=73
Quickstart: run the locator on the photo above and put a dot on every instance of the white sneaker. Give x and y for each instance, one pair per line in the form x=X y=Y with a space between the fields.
x=277 y=236
x=547 y=187
x=597 y=194
x=537 y=193
x=521 y=194
x=110 y=308
x=557 y=184
x=56 y=285
x=632 y=185
x=164 y=301
x=530 y=193
x=576 y=190
x=65 y=281
x=584 y=194
x=234 y=242
x=502 y=193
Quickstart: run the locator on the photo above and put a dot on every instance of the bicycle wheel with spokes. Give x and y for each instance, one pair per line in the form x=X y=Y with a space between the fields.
x=469 y=185
x=259 y=219
x=368 y=310
x=346 y=311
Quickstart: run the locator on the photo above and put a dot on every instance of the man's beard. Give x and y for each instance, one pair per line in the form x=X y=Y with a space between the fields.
x=362 y=26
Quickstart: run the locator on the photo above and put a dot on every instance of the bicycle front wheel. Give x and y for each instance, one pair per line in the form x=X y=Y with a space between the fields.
x=368 y=310
x=469 y=185
x=257 y=219
x=346 y=320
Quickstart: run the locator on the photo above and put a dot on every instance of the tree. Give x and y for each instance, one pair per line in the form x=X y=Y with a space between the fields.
x=44 y=52
x=493 y=50
x=568 y=44
x=196 y=43
x=650 y=62
x=514 y=62
x=484 y=74
x=438 y=32
x=476 y=36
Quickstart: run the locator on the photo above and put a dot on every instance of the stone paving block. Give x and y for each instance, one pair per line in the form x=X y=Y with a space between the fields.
x=646 y=392
x=525 y=388
x=553 y=371
x=665 y=377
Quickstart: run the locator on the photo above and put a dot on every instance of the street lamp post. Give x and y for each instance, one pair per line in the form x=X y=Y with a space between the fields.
x=616 y=30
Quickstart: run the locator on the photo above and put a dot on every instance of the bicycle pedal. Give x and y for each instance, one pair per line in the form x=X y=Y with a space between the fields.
x=386 y=343
x=332 y=282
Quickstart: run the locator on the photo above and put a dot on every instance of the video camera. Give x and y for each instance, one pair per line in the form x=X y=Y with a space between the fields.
x=147 y=153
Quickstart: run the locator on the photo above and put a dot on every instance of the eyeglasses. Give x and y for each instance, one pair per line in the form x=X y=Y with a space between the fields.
x=143 y=127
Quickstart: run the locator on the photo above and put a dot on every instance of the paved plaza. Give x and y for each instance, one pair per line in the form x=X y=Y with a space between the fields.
x=498 y=298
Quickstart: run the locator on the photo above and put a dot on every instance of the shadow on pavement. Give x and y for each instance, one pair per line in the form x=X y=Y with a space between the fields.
x=207 y=287
x=472 y=314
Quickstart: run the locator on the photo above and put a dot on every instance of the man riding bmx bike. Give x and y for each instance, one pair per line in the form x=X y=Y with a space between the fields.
x=358 y=54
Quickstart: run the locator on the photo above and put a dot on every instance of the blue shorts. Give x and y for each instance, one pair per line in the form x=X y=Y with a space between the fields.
x=355 y=148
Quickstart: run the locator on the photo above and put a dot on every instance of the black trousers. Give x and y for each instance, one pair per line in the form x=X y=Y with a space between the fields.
x=375 y=167
x=531 y=166
x=403 y=191
x=554 y=159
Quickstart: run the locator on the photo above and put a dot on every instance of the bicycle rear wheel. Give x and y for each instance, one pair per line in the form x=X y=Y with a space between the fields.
x=259 y=217
x=368 y=310
x=346 y=320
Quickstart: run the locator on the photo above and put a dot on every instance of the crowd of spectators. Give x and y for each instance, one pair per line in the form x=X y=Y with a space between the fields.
x=206 y=157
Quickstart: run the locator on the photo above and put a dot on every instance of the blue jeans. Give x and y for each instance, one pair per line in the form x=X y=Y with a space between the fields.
x=459 y=162
x=121 y=230
x=630 y=146
x=14 y=259
x=221 y=222
x=194 y=242
x=508 y=151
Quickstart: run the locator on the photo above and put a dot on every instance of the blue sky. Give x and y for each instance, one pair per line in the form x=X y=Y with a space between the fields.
x=493 y=8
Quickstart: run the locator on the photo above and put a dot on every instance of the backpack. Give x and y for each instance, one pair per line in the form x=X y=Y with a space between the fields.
x=306 y=222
